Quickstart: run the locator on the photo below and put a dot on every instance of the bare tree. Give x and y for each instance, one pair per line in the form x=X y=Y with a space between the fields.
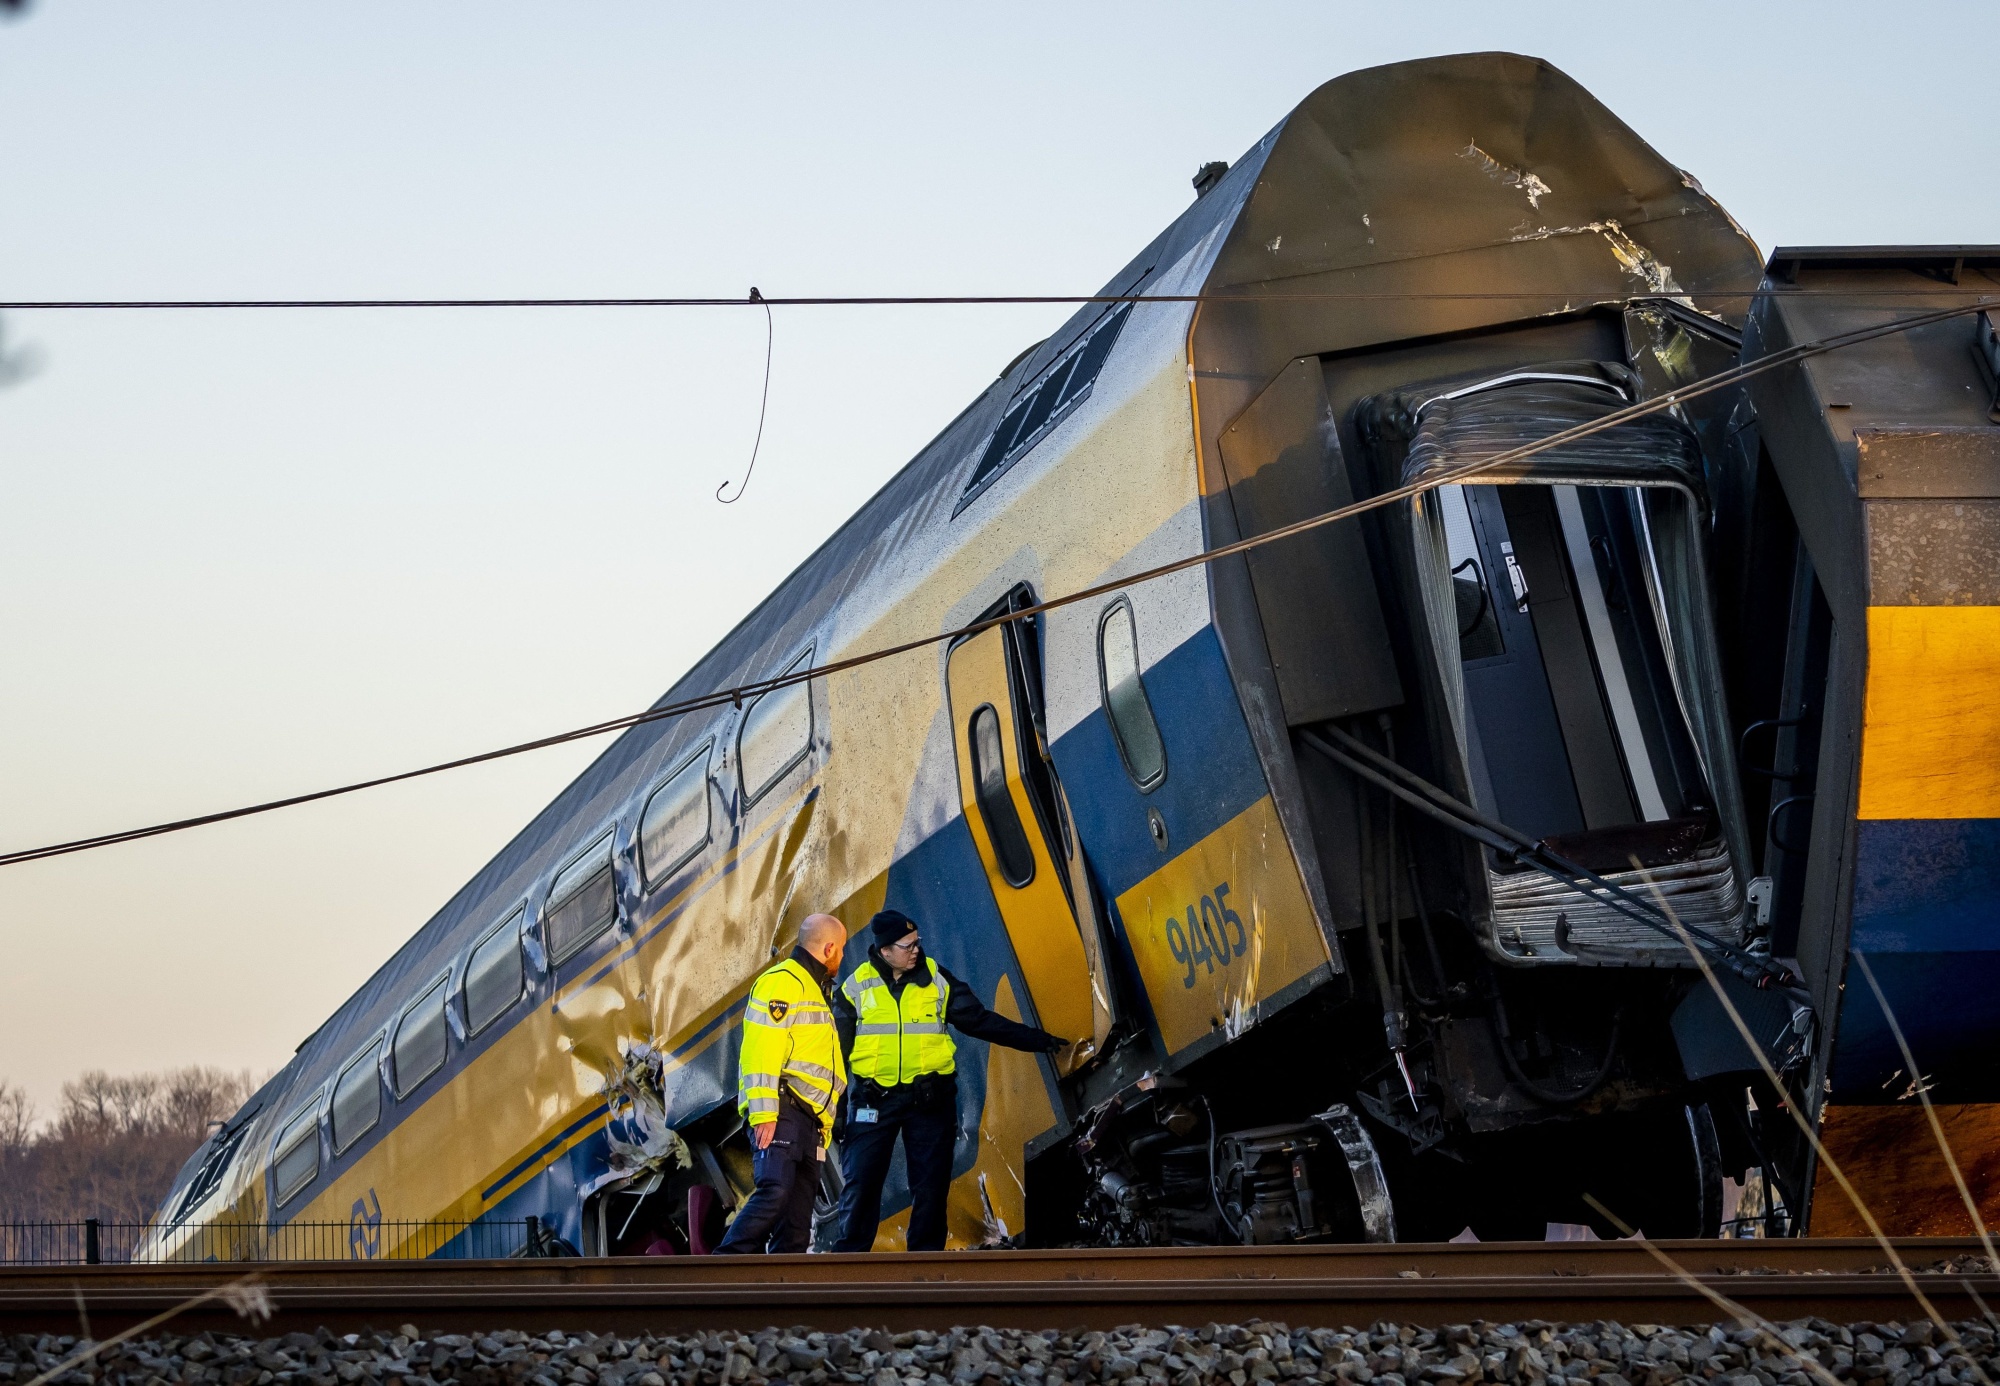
x=114 y=1146
x=17 y=1120
x=17 y=1134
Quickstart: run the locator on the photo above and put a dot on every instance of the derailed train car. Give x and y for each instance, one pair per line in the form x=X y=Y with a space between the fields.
x=1863 y=652
x=1232 y=830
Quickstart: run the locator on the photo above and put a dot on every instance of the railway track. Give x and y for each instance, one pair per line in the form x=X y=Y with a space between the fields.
x=1843 y=1280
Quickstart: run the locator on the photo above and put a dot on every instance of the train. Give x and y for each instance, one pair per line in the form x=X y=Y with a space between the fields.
x=1399 y=878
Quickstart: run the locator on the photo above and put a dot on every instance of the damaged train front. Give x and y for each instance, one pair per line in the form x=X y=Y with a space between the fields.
x=1493 y=708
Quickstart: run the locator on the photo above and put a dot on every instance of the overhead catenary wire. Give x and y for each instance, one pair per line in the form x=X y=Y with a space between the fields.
x=741 y=693
x=1590 y=295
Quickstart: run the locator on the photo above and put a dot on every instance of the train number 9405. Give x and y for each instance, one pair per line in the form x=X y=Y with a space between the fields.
x=1212 y=937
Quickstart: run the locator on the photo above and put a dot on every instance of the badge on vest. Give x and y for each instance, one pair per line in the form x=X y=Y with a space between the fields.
x=778 y=1009
x=866 y=1115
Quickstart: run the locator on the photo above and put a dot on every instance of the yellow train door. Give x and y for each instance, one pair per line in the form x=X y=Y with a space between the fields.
x=1021 y=824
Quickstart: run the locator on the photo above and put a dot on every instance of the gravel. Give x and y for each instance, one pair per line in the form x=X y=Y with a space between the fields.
x=1608 y=1354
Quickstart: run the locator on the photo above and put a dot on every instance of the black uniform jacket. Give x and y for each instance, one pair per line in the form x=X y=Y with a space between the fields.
x=963 y=1011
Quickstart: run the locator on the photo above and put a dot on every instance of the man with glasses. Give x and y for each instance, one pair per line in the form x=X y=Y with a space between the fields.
x=892 y=1013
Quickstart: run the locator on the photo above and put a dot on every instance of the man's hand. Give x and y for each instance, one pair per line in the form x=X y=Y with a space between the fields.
x=760 y=1134
x=1053 y=1044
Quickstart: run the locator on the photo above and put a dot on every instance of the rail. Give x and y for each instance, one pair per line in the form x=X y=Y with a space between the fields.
x=1335 y=1286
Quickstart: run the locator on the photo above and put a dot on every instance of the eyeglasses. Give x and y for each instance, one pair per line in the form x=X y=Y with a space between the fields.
x=907 y=945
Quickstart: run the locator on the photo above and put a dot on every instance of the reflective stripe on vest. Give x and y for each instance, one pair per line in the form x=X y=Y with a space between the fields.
x=898 y=1039
x=789 y=1041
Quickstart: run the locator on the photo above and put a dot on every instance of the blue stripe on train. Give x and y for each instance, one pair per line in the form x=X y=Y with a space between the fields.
x=1212 y=769
x=696 y=1092
x=1927 y=915
x=1212 y=775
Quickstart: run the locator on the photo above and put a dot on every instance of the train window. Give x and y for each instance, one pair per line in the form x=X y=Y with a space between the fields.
x=295 y=1159
x=493 y=976
x=583 y=901
x=222 y=1148
x=418 y=1049
x=1126 y=706
x=675 y=824
x=775 y=735
x=357 y=1097
x=996 y=803
x=1046 y=402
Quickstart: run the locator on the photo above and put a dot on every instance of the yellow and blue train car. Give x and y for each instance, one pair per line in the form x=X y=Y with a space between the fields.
x=1871 y=660
x=1164 y=823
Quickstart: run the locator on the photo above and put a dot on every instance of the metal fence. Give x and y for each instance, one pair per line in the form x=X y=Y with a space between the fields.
x=92 y=1242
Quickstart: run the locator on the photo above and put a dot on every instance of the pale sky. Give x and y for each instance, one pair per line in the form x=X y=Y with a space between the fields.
x=244 y=555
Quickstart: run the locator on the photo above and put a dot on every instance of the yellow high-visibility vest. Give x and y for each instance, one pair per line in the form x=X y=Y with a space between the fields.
x=789 y=1041
x=898 y=1039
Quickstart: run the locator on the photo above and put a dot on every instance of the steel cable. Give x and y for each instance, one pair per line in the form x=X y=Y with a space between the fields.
x=741 y=693
x=939 y=300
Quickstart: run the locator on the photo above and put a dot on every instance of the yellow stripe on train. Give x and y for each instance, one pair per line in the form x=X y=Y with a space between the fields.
x=1931 y=738
x=1222 y=927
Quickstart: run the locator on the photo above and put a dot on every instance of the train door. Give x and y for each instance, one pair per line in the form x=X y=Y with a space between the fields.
x=1020 y=822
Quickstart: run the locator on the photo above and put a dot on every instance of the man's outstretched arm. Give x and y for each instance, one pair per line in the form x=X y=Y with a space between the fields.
x=965 y=1014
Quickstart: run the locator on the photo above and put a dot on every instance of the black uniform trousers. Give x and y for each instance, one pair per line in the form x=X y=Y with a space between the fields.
x=778 y=1215
x=925 y=1114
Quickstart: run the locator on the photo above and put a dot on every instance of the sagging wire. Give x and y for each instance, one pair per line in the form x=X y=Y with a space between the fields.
x=931 y=300
x=763 y=403
x=1388 y=979
x=1930 y=1111
x=1791 y=1108
x=739 y=693
x=1428 y=799
x=1395 y=1029
x=1496 y=1018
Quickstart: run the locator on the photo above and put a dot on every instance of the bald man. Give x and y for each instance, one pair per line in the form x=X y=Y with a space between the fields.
x=789 y=1080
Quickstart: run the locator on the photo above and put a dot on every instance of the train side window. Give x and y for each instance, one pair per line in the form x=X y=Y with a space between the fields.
x=357 y=1097
x=775 y=735
x=1126 y=706
x=419 y=1047
x=676 y=822
x=996 y=803
x=494 y=979
x=222 y=1148
x=1038 y=408
x=295 y=1159
x=582 y=902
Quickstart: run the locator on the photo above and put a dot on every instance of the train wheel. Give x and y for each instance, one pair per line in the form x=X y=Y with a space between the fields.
x=1660 y=1172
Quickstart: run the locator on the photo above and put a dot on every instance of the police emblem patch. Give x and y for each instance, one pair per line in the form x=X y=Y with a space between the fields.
x=778 y=1009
